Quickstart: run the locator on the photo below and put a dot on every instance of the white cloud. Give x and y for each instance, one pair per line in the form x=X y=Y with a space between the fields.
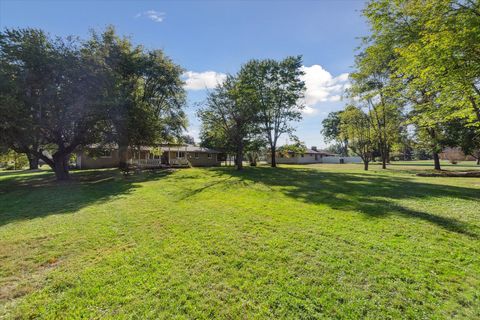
x=309 y=110
x=153 y=15
x=202 y=80
x=321 y=86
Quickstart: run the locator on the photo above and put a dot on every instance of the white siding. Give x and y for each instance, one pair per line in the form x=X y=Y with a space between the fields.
x=345 y=159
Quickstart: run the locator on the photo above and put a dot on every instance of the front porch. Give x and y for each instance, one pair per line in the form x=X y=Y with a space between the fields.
x=160 y=158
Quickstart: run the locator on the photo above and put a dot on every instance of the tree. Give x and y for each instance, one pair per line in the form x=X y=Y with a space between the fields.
x=144 y=93
x=435 y=62
x=374 y=86
x=59 y=95
x=254 y=148
x=188 y=139
x=53 y=93
x=22 y=69
x=228 y=118
x=297 y=147
x=276 y=89
x=460 y=134
x=331 y=132
x=356 y=127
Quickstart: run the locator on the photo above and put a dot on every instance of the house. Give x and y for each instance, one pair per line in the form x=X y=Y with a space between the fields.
x=312 y=155
x=167 y=155
x=455 y=155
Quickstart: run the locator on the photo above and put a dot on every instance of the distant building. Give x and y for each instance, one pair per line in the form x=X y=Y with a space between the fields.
x=454 y=154
x=312 y=155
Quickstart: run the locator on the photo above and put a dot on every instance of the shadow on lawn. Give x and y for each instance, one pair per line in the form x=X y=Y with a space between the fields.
x=367 y=193
x=25 y=196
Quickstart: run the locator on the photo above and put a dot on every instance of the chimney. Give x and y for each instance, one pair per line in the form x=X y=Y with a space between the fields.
x=314 y=148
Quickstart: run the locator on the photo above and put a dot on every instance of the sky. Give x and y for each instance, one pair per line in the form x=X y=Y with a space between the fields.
x=212 y=38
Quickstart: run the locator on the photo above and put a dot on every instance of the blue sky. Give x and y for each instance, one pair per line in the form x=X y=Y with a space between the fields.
x=211 y=38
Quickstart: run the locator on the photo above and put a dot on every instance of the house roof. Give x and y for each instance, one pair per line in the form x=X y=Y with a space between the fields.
x=322 y=152
x=164 y=147
x=188 y=148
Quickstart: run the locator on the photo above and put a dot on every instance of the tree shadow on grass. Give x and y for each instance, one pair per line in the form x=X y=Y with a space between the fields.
x=24 y=197
x=372 y=195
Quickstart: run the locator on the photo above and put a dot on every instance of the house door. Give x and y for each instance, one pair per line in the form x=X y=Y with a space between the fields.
x=316 y=157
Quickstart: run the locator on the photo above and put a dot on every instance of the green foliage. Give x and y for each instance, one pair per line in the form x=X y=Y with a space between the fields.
x=144 y=91
x=275 y=89
x=297 y=147
x=356 y=127
x=60 y=94
x=422 y=55
x=459 y=134
x=228 y=119
x=331 y=133
x=12 y=160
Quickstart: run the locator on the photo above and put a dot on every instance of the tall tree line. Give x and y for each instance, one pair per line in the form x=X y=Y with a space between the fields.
x=420 y=69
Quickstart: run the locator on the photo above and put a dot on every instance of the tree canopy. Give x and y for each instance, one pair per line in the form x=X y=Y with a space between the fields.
x=61 y=94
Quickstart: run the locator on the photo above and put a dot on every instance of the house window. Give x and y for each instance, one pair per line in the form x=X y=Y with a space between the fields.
x=180 y=154
x=196 y=155
x=106 y=154
x=303 y=155
x=209 y=155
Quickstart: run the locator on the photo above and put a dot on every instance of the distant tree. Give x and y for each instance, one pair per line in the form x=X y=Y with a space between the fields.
x=296 y=147
x=356 y=128
x=460 y=134
x=276 y=89
x=254 y=149
x=12 y=160
x=337 y=148
x=403 y=148
x=331 y=133
x=228 y=118
x=372 y=85
x=188 y=139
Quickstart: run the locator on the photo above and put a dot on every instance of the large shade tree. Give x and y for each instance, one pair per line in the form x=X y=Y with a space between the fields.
x=61 y=94
x=228 y=118
x=276 y=89
x=144 y=93
x=51 y=104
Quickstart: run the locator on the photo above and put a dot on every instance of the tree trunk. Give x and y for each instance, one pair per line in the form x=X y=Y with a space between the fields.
x=239 y=159
x=123 y=156
x=478 y=161
x=365 y=165
x=384 y=161
x=60 y=166
x=436 y=161
x=32 y=162
x=273 y=151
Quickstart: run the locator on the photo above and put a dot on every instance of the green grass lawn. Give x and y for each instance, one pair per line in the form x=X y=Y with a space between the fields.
x=294 y=242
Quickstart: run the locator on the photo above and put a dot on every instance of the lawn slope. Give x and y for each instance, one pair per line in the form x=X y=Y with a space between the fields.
x=293 y=242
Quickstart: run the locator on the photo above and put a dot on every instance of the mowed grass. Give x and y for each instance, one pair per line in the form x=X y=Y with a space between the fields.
x=319 y=241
